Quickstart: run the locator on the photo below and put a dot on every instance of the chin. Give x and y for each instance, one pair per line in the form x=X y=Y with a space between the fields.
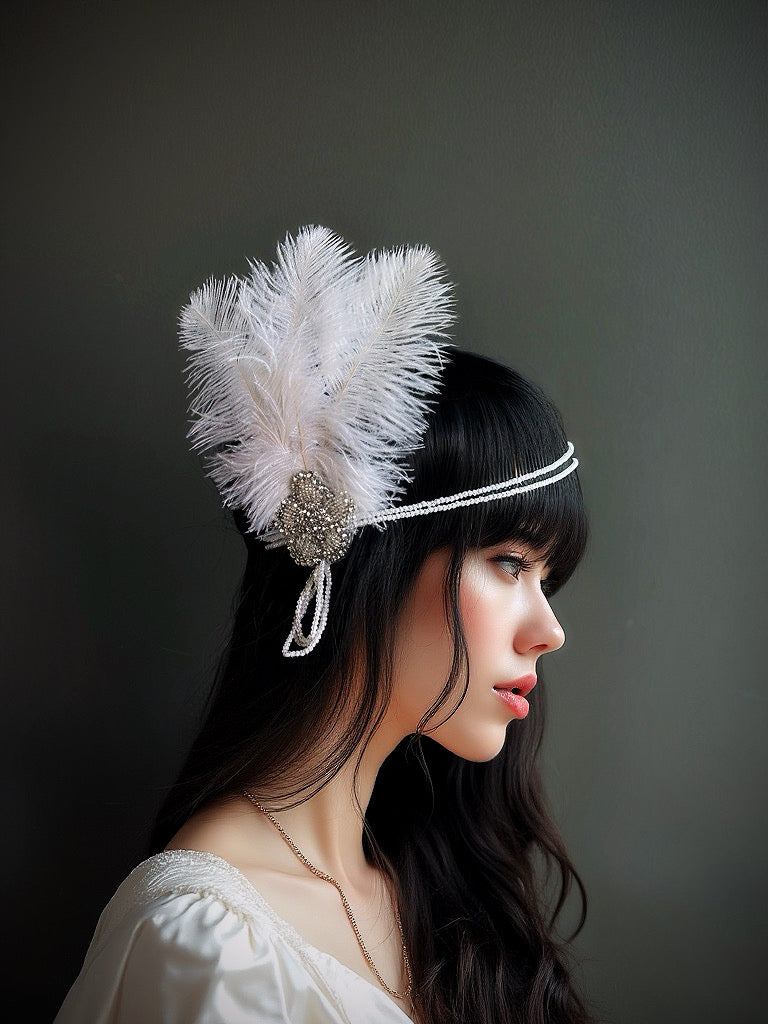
x=480 y=745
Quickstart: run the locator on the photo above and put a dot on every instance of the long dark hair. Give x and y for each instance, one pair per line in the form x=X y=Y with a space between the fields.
x=466 y=845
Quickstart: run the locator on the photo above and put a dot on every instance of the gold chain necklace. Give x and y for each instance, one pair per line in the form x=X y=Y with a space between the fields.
x=405 y=996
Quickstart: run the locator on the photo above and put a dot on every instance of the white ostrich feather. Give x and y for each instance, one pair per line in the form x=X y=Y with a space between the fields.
x=323 y=362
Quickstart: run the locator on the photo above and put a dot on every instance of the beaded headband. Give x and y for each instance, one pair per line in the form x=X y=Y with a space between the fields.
x=310 y=383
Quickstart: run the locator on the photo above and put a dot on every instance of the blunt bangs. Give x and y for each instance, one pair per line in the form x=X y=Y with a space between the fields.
x=490 y=424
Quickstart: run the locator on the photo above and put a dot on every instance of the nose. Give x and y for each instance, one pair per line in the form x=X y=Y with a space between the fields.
x=540 y=631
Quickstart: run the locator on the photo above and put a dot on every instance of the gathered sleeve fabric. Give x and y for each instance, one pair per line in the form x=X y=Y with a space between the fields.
x=187 y=940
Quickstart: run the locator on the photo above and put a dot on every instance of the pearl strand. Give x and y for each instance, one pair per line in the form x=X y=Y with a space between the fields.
x=504 y=489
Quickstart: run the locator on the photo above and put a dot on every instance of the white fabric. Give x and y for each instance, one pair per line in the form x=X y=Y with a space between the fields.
x=187 y=939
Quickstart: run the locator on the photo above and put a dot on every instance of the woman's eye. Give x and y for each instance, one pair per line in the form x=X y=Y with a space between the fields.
x=513 y=565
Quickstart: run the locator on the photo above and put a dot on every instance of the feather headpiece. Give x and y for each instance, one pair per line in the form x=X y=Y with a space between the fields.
x=310 y=382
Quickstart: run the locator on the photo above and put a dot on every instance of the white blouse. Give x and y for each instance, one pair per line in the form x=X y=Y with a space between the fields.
x=187 y=939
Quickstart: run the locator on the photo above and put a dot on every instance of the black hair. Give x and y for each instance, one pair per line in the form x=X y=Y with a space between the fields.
x=459 y=840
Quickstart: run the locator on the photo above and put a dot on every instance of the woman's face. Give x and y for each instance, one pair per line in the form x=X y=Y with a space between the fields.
x=508 y=625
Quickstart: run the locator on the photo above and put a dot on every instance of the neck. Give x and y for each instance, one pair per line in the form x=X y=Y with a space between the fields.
x=328 y=827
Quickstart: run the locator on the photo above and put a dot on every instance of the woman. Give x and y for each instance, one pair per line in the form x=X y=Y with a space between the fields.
x=356 y=833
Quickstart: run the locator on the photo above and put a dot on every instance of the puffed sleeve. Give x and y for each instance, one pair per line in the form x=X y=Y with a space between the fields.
x=191 y=959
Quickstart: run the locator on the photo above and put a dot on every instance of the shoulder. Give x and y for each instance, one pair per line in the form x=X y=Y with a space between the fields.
x=228 y=828
x=170 y=878
x=184 y=936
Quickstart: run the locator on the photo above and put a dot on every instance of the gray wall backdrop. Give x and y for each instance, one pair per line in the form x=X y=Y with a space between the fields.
x=593 y=174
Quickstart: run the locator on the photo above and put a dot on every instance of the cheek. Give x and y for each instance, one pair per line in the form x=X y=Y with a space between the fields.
x=424 y=648
x=484 y=612
x=484 y=628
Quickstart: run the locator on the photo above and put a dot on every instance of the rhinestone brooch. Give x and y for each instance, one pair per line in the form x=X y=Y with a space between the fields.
x=317 y=523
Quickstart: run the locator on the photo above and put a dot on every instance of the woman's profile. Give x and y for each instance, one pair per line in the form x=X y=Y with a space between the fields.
x=359 y=832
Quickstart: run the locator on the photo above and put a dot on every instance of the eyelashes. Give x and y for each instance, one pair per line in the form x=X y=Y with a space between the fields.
x=519 y=564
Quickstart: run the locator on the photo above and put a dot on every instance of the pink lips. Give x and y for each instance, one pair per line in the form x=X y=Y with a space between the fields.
x=514 y=693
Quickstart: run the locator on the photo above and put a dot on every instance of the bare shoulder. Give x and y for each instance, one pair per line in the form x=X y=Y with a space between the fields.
x=228 y=828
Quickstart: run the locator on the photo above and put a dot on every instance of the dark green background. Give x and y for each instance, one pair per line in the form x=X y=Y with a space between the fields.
x=593 y=174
